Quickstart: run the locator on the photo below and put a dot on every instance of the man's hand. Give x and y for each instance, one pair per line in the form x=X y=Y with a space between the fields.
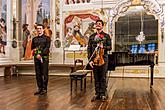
x=38 y=56
x=101 y=45
x=91 y=64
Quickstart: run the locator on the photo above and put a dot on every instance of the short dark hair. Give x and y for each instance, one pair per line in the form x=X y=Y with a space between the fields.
x=41 y=25
x=100 y=21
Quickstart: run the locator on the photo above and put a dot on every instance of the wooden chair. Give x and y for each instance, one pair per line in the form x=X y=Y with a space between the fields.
x=82 y=68
x=80 y=74
x=80 y=62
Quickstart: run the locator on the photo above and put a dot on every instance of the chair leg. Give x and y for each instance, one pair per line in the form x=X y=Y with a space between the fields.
x=71 y=84
x=76 y=83
x=85 y=83
x=91 y=76
x=81 y=83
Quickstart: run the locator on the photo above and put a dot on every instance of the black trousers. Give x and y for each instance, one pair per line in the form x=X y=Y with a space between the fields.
x=100 y=76
x=41 y=70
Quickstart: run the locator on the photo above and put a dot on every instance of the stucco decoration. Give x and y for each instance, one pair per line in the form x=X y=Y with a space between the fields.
x=153 y=7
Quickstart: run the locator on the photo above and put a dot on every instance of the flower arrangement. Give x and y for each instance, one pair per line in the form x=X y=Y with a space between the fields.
x=99 y=38
x=36 y=52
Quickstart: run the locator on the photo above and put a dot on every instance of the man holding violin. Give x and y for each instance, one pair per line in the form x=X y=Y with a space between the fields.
x=98 y=45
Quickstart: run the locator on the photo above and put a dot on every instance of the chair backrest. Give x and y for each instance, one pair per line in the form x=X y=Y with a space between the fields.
x=78 y=61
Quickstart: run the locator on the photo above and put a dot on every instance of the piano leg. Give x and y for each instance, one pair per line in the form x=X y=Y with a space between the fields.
x=123 y=72
x=152 y=74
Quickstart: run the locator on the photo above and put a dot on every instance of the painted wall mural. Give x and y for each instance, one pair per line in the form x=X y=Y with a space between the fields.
x=3 y=30
x=3 y=35
x=3 y=9
x=78 y=28
x=42 y=10
x=33 y=12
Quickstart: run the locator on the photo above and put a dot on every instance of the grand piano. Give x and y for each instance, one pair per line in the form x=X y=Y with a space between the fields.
x=129 y=59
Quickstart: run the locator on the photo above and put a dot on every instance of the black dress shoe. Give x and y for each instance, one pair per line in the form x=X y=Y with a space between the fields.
x=96 y=97
x=43 y=92
x=38 y=92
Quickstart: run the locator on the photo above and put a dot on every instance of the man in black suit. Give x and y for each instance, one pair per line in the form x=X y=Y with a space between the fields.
x=98 y=45
x=40 y=47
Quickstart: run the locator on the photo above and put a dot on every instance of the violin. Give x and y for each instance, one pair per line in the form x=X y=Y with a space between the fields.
x=99 y=60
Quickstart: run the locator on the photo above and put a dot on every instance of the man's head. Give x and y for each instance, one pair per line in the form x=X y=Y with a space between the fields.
x=40 y=29
x=99 y=25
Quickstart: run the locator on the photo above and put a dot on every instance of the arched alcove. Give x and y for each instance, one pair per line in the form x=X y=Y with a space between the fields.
x=151 y=7
x=129 y=26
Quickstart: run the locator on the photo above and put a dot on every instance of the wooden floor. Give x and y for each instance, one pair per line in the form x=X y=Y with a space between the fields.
x=16 y=93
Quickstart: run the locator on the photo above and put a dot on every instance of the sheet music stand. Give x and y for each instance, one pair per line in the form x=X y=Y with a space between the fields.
x=74 y=48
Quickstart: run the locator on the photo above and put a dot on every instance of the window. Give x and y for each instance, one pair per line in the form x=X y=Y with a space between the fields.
x=134 y=48
x=151 y=47
x=141 y=49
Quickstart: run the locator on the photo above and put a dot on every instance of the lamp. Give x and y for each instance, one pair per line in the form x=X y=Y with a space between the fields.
x=141 y=36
